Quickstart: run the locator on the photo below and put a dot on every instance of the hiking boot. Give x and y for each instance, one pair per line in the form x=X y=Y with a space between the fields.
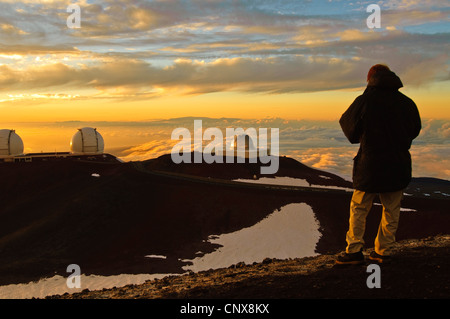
x=378 y=258
x=350 y=259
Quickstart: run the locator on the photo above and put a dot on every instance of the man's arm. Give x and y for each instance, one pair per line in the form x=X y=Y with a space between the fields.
x=351 y=120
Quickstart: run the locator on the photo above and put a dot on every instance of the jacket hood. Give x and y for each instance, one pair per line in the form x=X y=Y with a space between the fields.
x=385 y=79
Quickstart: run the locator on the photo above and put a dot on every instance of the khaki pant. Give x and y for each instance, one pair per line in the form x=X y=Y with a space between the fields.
x=360 y=206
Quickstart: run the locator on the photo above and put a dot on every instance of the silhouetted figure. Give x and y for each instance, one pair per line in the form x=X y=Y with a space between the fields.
x=384 y=122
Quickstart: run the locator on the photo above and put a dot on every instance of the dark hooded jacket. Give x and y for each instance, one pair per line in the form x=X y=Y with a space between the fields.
x=384 y=122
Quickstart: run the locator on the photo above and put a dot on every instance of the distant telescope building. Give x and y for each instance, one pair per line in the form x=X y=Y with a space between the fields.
x=246 y=140
x=10 y=143
x=86 y=145
x=87 y=141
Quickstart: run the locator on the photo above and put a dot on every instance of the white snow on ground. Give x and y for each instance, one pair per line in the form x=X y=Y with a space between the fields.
x=57 y=285
x=439 y=192
x=156 y=256
x=289 y=181
x=408 y=210
x=291 y=232
x=401 y=209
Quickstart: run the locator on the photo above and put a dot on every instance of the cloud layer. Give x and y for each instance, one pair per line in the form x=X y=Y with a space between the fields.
x=318 y=144
x=146 y=49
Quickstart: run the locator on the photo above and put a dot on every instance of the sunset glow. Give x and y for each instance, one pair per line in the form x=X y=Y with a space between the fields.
x=206 y=151
x=154 y=60
x=162 y=59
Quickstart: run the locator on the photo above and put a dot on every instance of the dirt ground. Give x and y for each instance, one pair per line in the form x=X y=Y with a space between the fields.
x=419 y=269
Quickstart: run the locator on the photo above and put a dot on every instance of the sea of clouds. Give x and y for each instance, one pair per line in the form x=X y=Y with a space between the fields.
x=319 y=144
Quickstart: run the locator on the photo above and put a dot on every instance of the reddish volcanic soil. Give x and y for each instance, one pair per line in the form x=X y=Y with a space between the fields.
x=56 y=213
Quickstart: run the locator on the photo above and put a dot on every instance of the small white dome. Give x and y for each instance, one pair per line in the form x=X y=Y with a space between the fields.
x=248 y=142
x=10 y=143
x=87 y=141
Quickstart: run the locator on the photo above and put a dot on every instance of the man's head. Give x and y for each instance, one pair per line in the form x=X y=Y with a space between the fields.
x=376 y=68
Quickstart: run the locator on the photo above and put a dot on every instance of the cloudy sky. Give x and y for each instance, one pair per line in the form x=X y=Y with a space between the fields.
x=169 y=58
x=134 y=61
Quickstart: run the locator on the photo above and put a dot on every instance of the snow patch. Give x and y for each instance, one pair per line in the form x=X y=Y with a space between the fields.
x=289 y=181
x=156 y=256
x=401 y=209
x=408 y=210
x=439 y=192
x=57 y=285
x=291 y=232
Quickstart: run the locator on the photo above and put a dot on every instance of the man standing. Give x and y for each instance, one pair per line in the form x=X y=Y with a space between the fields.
x=384 y=122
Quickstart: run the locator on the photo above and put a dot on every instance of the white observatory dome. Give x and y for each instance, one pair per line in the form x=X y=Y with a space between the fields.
x=10 y=143
x=87 y=141
x=248 y=142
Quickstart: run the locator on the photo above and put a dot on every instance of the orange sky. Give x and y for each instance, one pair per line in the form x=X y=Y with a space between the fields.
x=432 y=103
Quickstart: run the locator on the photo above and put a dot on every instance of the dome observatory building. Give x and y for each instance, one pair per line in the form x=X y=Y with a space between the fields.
x=10 y=144
x=87 y=141
x=87 y=144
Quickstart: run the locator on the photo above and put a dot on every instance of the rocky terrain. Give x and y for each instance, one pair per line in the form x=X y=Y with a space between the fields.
x=419 y=269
